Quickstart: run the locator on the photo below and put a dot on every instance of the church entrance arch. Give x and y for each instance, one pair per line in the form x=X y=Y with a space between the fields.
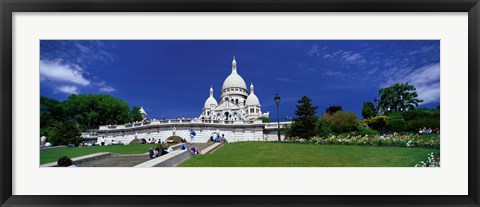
x=226 y=115
x=173 y=139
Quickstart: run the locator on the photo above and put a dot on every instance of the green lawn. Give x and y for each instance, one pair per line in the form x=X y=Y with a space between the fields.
x=271 y=154
x=52 y=155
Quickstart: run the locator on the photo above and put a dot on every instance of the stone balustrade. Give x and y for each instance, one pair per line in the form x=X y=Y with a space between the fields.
x=176 y=121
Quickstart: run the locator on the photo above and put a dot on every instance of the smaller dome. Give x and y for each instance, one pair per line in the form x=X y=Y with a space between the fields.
x=252 y=100
x=209 y=102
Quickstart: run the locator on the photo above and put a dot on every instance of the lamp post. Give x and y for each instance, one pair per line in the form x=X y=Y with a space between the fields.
x=277 y=101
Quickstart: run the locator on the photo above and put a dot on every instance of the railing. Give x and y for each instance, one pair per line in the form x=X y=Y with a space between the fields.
x=275 y=125
x=182 y=121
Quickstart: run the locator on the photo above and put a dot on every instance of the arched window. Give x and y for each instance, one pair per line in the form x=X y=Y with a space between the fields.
x=236 y=101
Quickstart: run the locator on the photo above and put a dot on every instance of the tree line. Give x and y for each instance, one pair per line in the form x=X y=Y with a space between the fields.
x=63 y=121
x=395 y=111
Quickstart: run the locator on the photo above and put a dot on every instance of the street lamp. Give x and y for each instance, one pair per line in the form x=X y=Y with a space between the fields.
x=277 y=101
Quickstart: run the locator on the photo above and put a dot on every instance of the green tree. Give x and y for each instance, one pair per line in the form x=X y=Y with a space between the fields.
x=398 y=97
x=55 y=123
x=368 y=110
x=305 y=123
x=51 y=110
x=332 y=109
x=93 y=110
x=135 y=114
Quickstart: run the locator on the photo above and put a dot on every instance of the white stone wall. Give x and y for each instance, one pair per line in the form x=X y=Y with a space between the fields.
x=232 y=134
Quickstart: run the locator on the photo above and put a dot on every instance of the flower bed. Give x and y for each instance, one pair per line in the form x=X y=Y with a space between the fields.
x=392 y=140
x=432 y=161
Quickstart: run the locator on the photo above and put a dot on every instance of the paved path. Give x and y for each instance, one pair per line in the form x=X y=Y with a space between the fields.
x=116 y=160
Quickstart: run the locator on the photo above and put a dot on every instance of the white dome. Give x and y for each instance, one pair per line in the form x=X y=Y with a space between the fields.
x=252 y=100
x=210 y=101
x=234 y=81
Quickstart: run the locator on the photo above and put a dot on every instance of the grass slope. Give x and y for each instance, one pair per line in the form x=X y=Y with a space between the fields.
x=52 y=155
x=270 y=154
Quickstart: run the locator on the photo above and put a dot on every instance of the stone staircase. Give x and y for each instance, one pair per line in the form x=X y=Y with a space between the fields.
x=174 y=158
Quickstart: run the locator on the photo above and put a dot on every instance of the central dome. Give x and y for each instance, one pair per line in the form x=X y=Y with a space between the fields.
x=234 y=81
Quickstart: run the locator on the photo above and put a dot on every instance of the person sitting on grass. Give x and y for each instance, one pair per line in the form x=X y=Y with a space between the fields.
x=168 y=148
x=161 y=150
x=195 y=151
x=153 y=153
x=183 y=146
x=65 y=162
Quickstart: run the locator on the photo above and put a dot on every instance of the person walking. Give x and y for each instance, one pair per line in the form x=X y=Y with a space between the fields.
x=192 y=135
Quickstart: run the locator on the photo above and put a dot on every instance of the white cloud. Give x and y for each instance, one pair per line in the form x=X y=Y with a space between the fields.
x=353 y=57
x=106 y=89
x=55 y=70
x=425 y=79
x=349 y=57
x=314 y=51
x=67 y=89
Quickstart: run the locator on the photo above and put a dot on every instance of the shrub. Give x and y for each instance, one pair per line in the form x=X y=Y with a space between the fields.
x=364 y=131
x=377 y=122
x=341 y=121
x=411 y=121
x=395 y=122
x=323 y=128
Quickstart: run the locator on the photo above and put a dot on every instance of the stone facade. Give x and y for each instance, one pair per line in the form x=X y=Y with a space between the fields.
x=161 y=130
x=236 y=117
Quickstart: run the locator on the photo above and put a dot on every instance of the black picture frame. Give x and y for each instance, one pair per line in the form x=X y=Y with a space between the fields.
x=7 y=8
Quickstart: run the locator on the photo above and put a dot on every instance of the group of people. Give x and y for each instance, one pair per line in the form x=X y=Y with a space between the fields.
x=425 y=130
x=159 y=151
x=216 y=138
x=194 y=150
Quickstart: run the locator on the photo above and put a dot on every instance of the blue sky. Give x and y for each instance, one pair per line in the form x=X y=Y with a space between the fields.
x=172 y=78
